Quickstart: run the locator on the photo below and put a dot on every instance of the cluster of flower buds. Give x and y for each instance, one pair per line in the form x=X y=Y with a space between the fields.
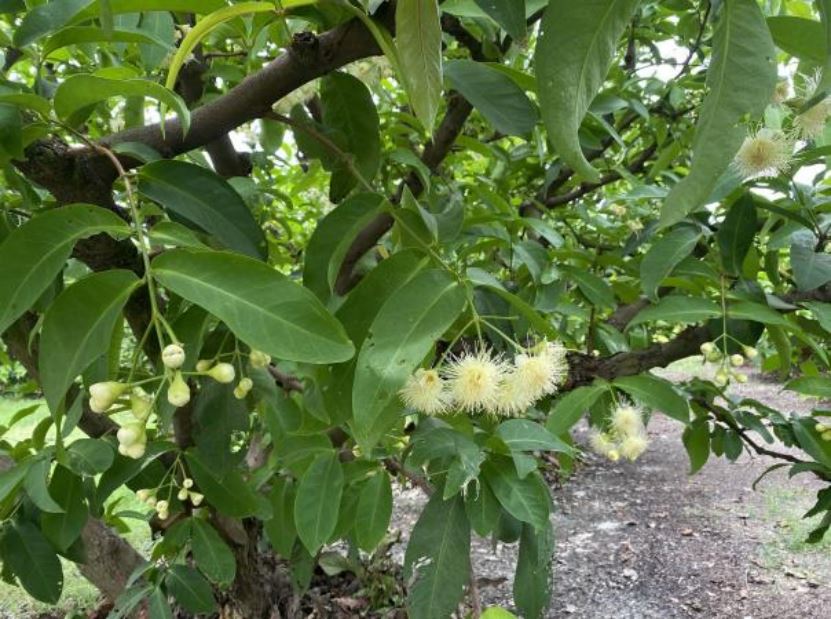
x=243 y=387
x=824 y=430
x=728 y=363
x=479 y=381
x=162 y=507
x=626 y=436
x=221 y=372
x=187 y=494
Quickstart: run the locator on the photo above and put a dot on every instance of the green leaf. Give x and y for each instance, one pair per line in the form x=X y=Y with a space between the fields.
x=740 y=80
x=33 y=254
x=89 y=456
x=78 y=329
x=37 y=489
x=822 y=312
x=495 y=95
x=207 y=201
x=317 y=502
x=678 y=308
x=597 y=291
x=262 y=307
x=811 y=441
x=510 y=14
x=190 y=589
x=348 y=109
x=403 y=332
x=227 y=492
x=62 y=529
x=332 y=238
x=30 y=557
x=526 y=435
x=817 y=386
x=664 y=256
x=91 y=34
x=748 y=310
x=482 y=508
x=11 y=133
x=280 y=529
x=527 y=499
x=212 y=555
x=696 y=439
x=800 y=37
x=532 y=582
x=656 y=393
x=570 y=408
x=418 y=45
x=497 y=613
x=118 y=7
x=810 y=269
x=374 y=511
x=157 y=605
x=81 y=91
x=11 y=478
x=576 y=46
x=46 y=18
x=735 y=236
x=437 y=560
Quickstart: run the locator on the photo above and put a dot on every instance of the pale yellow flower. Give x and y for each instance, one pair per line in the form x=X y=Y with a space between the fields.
x=627 y=420
x=513 y=396
x=781 y=93
x=602 y=444
x=764 y=153
x=425 y=392
x=474 y=381
x=811 y=123
x=633 y=445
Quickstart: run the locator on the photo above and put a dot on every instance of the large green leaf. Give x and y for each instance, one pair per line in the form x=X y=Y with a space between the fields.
x=63 y=528
x=11 y=133
x=37 y=489
x=212 y=555
x=735 y=236
x=571 y=407
x=10 y=479
x=78 y=328
x=576 y=46
x=374 y=510
x=665 y=255
x=438 y=559
x=495 y=95
x=190 y=589
x=656 y=393
x=46 y=18
x=800 y=37
x=317 y=502
x=227 y=492
x=510 y=14
x=696 y=439
x=118 y=7
x=349 y=111
x=527 y=499
x=262 y=307
x=33 y=254
x=532 y=582
x=332 y=238
x=78 y=92
x=401 y=335
x=678 y=308
x=817 y=386
x=90 y=34
x=206 y=200
x=29 y=556
x=811 y=269
x=740 y=80
x=418 y=45
x=280 y=529
x=527 y=435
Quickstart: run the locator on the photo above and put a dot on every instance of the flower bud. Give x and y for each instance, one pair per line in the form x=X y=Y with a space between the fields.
x=736 y=360
x=162 y=506
x=222 y=373
x=173 y=356
x=613 y=455
x=183 y=494
x=826 y=436
x=151 y=501
x=187 y=482
x=707 y=347
x=245 y=385
x=134 y=451
x=259 y=359
x=821 y=427
x=143 y=494
x=103 y=395
x=750 y=352
x=178 y=393
x=740 y=377
x=203 y=365
x=713 y=356
x=721 y=377
x=130 y=434
x=141 y=403
x=164 y=515
x=196 y=498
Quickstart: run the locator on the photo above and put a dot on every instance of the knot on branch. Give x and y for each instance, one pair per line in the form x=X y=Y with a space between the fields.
x=305 y=47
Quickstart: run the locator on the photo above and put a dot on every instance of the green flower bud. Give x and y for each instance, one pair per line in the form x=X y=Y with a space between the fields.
x=259 y=359
x=102 y=396
x=736 y=361
x=222 y=373
x=173 y=356
x=178 y=393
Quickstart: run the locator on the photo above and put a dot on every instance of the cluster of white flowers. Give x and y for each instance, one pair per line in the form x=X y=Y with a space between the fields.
x=728 y=364
x=626 y=436
x=162 y=507
x=481 y=382
x=132 y=436
x=766 y=152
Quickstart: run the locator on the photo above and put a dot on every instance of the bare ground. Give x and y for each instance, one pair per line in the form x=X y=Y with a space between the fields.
x=645 y=539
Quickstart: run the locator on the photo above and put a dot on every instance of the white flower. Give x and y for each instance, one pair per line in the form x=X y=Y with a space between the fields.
x=811 y=123
x=602 y=443
x=765 y=153
x=781 y=93
x=141 y=403
x=173 y=356
x=474 y=381
x=633 y=445
x=542 y=371
x=222 y=373
x=102 y=396
x=178 y=393
x=513 y=396
x=627 y=420
x=259 y=359
x=425 y=392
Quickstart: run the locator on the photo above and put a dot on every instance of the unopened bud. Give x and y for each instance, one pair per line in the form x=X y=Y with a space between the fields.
x=130 y=434
x=713 y=356
x=196 y=498
x=826 y=436
x=134 y=451
x=173 y=356
x=182 y=495
x=821 y=427
x=222 y=373
x=721 y=377
x=736 y=360
x=187 y=482
x=750 y=352
x=259 y=359
x=102 y=396
x=143 y=494
x=203 y=365
x=740 y=377
x=707 y=347
x=162 y=506
x=140 y=403
x=178 y=393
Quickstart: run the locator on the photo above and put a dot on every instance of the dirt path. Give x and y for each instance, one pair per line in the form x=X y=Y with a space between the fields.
x=647 y=540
